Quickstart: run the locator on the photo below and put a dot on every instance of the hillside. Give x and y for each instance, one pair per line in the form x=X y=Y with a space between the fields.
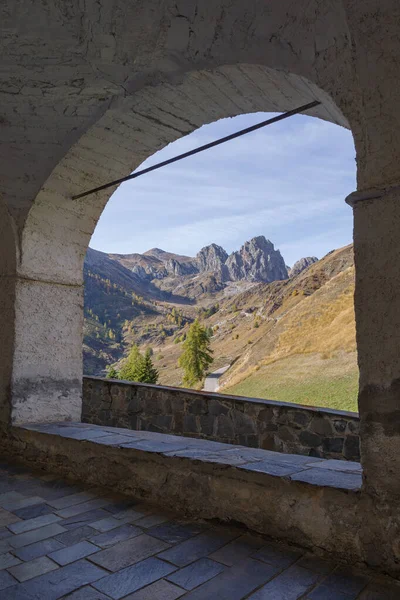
x=306 y=350
x=149 y=298
x=291 y=339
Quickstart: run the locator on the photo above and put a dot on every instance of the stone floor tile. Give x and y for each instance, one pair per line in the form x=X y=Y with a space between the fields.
x=126 y=553
x=175 y=532
x=33 y=568
x=234 y=584
x=60 y=430
x=6 y=580
x=316 y=564
x=71 y=500
x=24 y=526
x=4 y=533
x=277 y=556
x=160 y=590
x=152 y=521
x=200 y=454
x=13 y=506
x=78 y=509
x=8 y=560
x=30 y=537
x=30 y=512
x=337 y=465
x=5 y=545
x=7 y=518
x=105 y=524
x=271 y=468
x=130 y=515
x=89 y=593
x=91 y=434
x=329 y=478
x=84 y=519
x=61 y=582
x=197 y=573
x=10 y=497
x=197 y=547
x=346 y=580
x=65 y=556
x=38 y=549
x=133 y=578
x=323 y=592
x=155 y=445
x=109 y=538
x=76 y=535
x=46 y=490
x=113 y=440
x=238 y=550
x=292 y=584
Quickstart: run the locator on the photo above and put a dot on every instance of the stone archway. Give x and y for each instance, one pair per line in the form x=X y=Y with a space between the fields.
x=57 y=230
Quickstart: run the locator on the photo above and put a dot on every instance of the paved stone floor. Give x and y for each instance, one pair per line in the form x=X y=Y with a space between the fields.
x=63 y=541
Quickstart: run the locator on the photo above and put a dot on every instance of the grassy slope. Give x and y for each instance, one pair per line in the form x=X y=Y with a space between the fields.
x=310 y=353
x=308 y=380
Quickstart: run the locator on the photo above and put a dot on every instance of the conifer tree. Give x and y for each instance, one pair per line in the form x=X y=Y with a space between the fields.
x=112 y=372
x=147 y=373
x=196 y=356
x=130 y=370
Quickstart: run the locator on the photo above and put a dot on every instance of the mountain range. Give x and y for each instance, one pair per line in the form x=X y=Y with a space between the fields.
x=250 y=299
x=257 y=260
x=140 y=289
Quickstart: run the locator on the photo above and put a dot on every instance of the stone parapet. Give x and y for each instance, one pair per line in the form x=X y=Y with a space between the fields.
x=253 y=422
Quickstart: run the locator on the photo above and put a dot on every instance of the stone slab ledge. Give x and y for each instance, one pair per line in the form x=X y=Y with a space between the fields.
x=316 y=504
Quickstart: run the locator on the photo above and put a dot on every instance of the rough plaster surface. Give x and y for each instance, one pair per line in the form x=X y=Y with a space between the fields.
x=47 y=370
x=377 y=255
x=277 y=426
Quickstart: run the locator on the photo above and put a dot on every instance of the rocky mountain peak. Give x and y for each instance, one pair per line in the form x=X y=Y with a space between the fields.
x=211 y=258
x=302 y=264
x=257 y=260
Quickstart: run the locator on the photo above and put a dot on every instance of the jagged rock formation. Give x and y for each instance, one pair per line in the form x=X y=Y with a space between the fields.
x=212 y=258
x=157 y=264
x=257 y=260
x=175 y=268
x=302 y=264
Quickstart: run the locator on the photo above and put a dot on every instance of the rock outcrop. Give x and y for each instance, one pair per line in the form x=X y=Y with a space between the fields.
x=302 y=264
x=175 y=268
x=211 y=259
x=257 y=260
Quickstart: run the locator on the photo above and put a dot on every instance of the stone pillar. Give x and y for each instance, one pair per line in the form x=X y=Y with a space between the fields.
x=377 y=308
x=46 y=380
x=41 y=320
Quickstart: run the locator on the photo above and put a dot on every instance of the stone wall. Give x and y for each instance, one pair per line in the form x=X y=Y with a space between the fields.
x=267 y=424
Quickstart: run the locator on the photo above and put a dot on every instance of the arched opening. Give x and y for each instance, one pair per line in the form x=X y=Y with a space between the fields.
x=58 y=229
x=282 y=341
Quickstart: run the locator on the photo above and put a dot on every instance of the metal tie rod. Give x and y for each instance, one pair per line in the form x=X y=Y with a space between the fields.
x=227 y=138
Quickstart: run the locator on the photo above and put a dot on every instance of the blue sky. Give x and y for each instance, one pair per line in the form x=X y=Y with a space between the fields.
x=287 y=182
